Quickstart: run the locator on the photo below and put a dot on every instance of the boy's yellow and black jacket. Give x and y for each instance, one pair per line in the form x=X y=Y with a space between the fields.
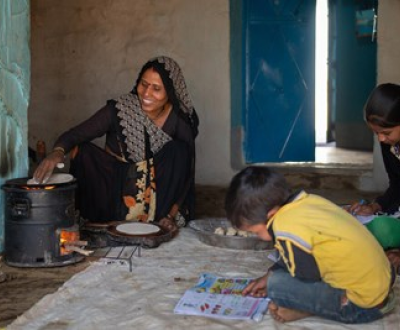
x=318 y=240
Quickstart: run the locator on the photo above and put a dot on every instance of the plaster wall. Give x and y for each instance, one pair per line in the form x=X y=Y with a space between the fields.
x=14 y=93
x=85 y=52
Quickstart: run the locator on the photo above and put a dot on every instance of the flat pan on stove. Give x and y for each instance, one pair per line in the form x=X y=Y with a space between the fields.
x=117 y=238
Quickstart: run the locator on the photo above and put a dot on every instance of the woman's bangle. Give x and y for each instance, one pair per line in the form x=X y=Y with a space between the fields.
x=170 y=217
x=60 y=149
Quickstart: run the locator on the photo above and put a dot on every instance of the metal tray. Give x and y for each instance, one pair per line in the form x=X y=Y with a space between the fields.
x=204 y=228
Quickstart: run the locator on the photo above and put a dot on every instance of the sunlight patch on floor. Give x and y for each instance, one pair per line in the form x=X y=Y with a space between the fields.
x=326 y=154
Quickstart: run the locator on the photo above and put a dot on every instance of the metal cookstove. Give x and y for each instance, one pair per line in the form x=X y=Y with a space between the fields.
x=40 y=223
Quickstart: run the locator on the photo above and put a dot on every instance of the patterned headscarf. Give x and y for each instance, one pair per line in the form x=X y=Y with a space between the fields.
x=135 y=122
x=175 y=74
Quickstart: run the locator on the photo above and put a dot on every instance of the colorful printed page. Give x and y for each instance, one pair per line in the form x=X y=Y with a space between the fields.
x=220 y=297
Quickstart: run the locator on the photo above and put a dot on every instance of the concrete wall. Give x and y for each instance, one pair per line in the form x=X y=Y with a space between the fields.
x=14 y=93
x=87 y=51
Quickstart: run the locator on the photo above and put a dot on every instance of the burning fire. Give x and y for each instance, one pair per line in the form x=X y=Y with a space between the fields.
x=67 y=236
x=38 y=188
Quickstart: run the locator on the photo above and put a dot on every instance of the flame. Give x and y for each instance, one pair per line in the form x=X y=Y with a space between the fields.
x=38 y=188
x=67 y=235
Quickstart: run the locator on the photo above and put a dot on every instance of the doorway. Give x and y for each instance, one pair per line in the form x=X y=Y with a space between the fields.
x=330 y=44
x=256 y=87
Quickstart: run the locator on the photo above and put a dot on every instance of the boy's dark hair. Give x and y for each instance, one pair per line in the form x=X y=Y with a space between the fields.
x=253 y=192
x=383 y=106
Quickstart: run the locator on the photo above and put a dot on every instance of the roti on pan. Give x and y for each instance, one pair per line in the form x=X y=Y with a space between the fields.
x=55 y=178
x=137 y=228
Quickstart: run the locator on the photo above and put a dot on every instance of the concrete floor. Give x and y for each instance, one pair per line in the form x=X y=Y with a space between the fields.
x=211 y=199
x=329 y=154
x=23 y=287
x=335 y=175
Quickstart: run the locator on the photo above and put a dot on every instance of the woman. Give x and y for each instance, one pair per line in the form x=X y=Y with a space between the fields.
x=146 y=172
x=382 y=114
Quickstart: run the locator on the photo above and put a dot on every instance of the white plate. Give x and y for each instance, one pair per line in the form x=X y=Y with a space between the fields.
x=137 y=228
x=54 y=179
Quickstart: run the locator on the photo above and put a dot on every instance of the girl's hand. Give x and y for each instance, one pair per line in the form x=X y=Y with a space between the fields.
x=364 y=209
x=257 y=288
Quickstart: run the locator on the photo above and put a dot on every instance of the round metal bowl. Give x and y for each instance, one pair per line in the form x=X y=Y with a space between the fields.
x=204 y=229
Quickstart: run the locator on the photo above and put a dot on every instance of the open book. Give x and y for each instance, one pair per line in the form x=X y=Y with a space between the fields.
x=220 y=297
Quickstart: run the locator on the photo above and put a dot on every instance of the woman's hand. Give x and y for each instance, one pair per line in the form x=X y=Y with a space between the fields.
x=47 y=165
x=360 y=208
x=169 y=224
x=257 y=288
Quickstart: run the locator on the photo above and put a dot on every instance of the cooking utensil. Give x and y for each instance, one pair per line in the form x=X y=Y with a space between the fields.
x=204 y=229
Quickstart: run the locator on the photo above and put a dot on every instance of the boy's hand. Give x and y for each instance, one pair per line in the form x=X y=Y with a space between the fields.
x=257 y=288
x=394 y=258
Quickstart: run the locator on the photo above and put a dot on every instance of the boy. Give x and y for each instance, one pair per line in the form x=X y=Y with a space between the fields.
x=329 y=265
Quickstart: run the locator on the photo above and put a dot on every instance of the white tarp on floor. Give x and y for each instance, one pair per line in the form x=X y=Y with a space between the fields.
x=108 y=296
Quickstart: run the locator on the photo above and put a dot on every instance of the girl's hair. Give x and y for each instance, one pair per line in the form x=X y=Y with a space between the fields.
x=253 y=192
x=383 y=106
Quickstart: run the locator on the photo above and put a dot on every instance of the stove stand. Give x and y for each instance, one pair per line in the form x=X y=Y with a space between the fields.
x=125 y=253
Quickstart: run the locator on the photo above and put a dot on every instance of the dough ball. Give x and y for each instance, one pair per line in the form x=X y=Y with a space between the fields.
x=219 y=231
x=231 y=231
x=243 y=233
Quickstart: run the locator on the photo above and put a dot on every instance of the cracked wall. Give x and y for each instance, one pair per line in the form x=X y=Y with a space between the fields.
x=14 y=94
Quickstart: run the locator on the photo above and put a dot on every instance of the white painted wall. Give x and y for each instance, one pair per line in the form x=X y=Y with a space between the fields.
x=87 y=51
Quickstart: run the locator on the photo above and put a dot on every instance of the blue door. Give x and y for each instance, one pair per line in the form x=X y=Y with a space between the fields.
x=352 y=70
x=278 y=85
